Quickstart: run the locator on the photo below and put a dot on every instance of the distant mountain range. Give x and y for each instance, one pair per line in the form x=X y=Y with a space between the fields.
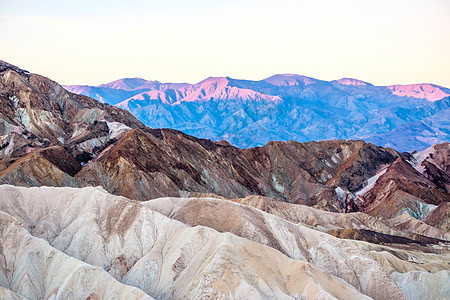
x=286 y=107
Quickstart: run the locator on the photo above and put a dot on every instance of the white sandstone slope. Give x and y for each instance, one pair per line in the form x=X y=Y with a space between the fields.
x=365 y=266
x=8 y=294
x=323 y=220
x=419 y=285
x=31 y=269
x=137 y=246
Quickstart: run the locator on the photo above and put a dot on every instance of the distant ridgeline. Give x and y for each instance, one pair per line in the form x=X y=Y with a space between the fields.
x=286 y=107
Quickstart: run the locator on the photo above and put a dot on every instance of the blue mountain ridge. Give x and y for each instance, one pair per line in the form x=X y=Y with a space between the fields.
x=287 y=107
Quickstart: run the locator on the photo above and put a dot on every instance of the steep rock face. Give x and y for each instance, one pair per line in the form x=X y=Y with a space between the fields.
x=402 y=188
x=440 y=217
x=293 y=172
x=162 y=257
x=36 y=112
x=434 y=164
x=51 y=166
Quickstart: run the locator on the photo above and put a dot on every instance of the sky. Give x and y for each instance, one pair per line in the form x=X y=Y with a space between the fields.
x=92 y=42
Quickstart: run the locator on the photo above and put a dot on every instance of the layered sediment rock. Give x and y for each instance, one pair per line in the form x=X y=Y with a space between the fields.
x=36 y=112
x=139 y=247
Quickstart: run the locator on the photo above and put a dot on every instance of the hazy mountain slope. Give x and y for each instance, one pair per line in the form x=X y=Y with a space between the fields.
x=422 y=133
x=293 y=107
x=122 y=89
x=163 y=257
x=111 y=95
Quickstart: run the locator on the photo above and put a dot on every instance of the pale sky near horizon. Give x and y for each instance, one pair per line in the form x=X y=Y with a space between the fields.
x=93 y=42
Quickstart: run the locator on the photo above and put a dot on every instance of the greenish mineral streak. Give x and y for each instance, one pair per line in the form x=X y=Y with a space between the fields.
x=277 y=185
x=23 y=116
x=422 y=210
x=208 y=178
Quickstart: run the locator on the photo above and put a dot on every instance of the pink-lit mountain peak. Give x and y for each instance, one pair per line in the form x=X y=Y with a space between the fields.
x=130 y=84
x=290 y=80
x=431 y=92
x=138 y=92
x=223 y=88
x=352 y=81
x=214 y=82
x=211 y=88
x=145 y=98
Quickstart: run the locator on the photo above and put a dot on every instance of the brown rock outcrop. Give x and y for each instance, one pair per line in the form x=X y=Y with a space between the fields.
x=36 y=112
x=440 y=217
x=163 y=162
x=400 y=189
x=434 y=164
x=51 y=166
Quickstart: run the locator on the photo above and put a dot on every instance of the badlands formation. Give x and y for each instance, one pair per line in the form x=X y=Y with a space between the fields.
x=94 y=205
x=55 y=241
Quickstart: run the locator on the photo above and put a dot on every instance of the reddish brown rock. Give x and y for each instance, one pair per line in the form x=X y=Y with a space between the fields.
x=402 y=188
x=151 y=163
x=36 y=112
x=436 y=165
x=440 y=217
x=51 y=166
